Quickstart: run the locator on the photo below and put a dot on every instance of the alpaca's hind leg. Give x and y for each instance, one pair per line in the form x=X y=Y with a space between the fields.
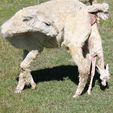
x=25 y=76
x=83 y=66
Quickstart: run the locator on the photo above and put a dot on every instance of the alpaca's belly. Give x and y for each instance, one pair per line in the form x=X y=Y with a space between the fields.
x=33 y=41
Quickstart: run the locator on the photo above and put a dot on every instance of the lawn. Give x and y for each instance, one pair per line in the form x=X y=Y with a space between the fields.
x=54 y=73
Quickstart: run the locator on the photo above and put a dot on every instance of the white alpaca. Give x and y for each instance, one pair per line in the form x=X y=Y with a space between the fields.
x=96 y=51
x=49 y=25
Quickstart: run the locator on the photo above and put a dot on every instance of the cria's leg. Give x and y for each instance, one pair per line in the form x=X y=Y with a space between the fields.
x=92 y=74
x=83 y=66
x=25 y=76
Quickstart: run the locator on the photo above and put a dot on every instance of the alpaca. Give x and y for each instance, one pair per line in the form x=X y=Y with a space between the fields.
x=96 y=51
x=33 y=28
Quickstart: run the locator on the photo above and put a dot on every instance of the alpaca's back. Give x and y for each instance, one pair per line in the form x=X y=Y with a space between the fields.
x=43 y=18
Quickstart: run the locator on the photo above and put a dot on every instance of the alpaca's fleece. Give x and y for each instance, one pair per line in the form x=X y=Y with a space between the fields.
x=51 y=24
x=24 y=28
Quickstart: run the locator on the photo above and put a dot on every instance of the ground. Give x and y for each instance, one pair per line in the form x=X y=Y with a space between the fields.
x=54 y=72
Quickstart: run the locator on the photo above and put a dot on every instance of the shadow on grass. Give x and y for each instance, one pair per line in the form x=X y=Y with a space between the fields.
x=58 y=73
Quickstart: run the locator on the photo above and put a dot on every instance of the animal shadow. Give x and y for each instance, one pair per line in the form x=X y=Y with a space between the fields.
x=58 y=73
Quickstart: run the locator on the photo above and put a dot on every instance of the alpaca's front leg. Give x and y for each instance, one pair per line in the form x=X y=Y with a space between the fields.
x=83 y=67
x=84 y=71
x=25 y=76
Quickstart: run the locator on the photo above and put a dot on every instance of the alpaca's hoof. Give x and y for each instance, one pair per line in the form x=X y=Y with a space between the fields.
x=18 y=91
x=75 y=96
x=89 y=92
x=33 y=86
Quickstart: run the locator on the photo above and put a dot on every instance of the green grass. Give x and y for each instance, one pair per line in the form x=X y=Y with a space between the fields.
x=55 y=87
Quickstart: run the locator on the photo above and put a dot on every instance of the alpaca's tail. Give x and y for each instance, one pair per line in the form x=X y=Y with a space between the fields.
x=101 y=10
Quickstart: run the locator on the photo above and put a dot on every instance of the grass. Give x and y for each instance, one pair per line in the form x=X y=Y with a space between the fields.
x=55 y=73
